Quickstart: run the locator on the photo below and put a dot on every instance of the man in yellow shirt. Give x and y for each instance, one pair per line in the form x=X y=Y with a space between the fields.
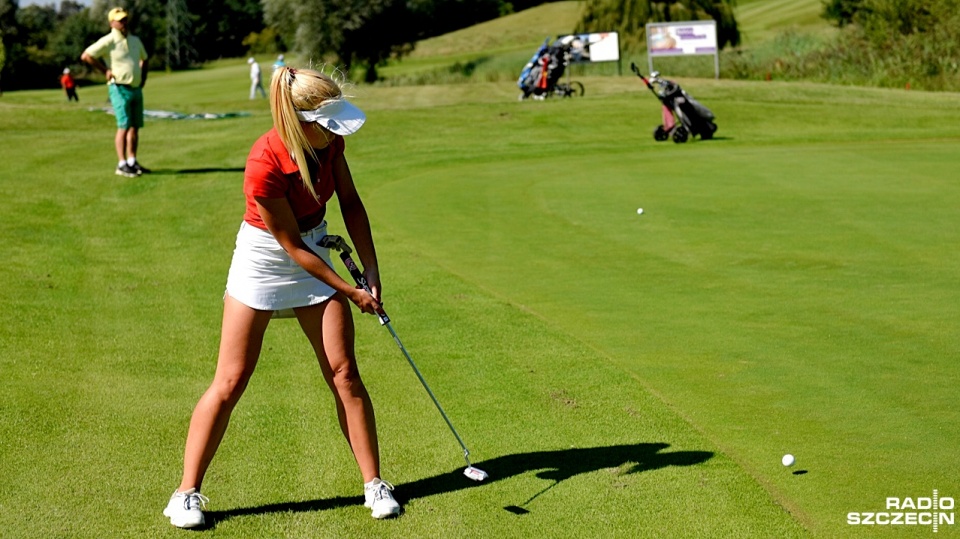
x=122 y=57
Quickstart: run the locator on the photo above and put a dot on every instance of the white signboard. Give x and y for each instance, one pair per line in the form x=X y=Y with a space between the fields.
x=682 y=38
x=604 y=47
x=599 y=47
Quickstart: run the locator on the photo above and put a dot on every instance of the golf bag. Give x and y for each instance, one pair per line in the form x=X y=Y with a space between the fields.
x=540 y=76
x=683 y=116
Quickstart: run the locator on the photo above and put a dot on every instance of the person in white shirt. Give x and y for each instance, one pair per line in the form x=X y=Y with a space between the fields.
x=256 y=84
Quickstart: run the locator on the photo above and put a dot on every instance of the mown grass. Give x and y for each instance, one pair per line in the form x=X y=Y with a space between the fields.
x=789 y=288
x=761 y=21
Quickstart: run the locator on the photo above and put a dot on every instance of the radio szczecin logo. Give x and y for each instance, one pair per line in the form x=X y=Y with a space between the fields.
x=924 y=511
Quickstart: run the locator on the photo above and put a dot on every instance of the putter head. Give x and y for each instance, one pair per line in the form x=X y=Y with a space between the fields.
x=475 y=473
x=334 y=242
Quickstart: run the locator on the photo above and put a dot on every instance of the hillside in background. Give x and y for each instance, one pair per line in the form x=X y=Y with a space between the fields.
x=487 y=51
x=763 y=20
x=496 y=50
x=759 y=20
x=518 y=31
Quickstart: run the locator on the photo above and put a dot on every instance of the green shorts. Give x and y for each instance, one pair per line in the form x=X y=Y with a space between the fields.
x=127 y=105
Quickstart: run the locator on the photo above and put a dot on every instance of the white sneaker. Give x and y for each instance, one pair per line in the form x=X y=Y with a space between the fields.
x=378 y=498
x=184 y=509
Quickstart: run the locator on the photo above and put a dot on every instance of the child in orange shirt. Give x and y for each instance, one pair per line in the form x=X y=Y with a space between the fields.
x=69 y=85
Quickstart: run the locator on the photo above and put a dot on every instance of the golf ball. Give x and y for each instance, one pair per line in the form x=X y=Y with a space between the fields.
x=639 y=211
x=788 y=460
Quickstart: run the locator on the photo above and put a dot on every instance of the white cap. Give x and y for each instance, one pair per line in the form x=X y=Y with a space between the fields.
x=66 y=70
x=338 y=116
x=250 y=60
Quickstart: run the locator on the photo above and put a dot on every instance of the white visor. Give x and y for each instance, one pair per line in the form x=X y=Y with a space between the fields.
x=338 y=116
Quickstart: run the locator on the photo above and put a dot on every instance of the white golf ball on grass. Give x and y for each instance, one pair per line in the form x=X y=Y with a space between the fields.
x=788 y=460
x=639 y=211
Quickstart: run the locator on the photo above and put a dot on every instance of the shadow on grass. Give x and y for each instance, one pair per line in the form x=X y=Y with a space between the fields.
x=552 y=465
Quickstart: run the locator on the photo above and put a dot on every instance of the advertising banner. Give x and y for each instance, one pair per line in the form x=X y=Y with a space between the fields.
x=678 y=38
x=682 y=39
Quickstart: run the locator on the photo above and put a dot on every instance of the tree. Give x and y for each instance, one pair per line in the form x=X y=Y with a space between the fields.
x=17 y=68
x=36 y=24
x=357 y=31
x=880 y=20
x=438 y=17
x=841 y=12
x=903 y=17
x=3 y=61
x=74 y=33
x=629 y=18
x=39 y=52
x=219 y=28
x=8 y=15
x=366 y=33
x=266 y=40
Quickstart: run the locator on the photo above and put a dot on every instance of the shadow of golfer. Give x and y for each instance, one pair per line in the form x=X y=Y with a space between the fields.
x=552 y=465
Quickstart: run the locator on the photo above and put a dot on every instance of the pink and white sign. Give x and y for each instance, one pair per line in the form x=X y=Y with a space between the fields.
x=681 y=38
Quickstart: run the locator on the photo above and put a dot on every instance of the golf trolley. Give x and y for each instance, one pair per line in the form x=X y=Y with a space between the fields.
x=540 y=77
x=683 y=116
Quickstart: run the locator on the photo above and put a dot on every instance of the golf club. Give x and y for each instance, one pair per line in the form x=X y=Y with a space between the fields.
x=636 y=71
x=337 y=243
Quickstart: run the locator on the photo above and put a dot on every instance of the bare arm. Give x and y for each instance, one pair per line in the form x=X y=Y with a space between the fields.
x=357 y=223
x=278 y=216
x=143 y=73
x=97 y=64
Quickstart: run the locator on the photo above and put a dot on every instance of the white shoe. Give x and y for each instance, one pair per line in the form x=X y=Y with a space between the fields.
x=184 y=509
x=379 y=499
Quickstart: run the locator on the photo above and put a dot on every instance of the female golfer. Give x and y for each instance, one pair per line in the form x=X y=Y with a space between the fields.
x=292 y=171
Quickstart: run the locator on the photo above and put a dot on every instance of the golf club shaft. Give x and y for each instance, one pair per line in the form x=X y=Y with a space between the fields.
x=385 y=320
x=466 y=452
x=636 y=71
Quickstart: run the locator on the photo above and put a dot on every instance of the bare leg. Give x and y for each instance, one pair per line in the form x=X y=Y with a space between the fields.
x=329 y=327
x=120 y=142
x=133 y=140
x=240 y=342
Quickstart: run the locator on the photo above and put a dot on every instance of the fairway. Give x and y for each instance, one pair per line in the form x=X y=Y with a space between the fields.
x=791 y=287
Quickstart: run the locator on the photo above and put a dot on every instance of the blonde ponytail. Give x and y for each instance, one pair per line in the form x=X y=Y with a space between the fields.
x=299 y=89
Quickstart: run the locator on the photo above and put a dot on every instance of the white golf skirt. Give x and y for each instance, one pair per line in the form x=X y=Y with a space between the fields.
x=263 y=276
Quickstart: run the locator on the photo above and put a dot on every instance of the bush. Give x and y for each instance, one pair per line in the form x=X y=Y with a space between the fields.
x=786 y=57
x=860 y=55
x=267 y=41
